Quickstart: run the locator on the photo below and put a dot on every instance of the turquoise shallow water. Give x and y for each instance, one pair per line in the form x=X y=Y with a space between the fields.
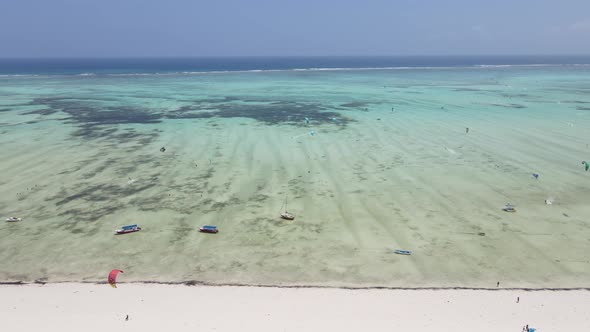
x=383 y=162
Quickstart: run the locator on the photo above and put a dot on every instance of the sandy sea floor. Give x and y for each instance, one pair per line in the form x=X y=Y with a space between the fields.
x=384 y=163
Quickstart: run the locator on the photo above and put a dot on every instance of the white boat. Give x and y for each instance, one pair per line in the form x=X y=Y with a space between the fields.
x=286 y=215
x=13 y=219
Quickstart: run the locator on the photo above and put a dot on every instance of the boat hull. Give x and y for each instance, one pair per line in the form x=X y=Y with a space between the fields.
x=121 y=232
x=287 y=216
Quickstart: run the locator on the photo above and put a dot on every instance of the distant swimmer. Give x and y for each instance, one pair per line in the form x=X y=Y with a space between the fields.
x=162 y=149
x=536 y=176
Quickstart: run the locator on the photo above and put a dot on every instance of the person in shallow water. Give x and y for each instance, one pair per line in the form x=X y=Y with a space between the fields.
x=162 y=149
x=586 y=165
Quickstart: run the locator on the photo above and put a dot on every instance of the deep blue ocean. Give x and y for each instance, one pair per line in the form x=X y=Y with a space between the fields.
x=212 y=64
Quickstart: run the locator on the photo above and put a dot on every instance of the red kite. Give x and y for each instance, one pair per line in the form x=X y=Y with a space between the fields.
x=113 y=277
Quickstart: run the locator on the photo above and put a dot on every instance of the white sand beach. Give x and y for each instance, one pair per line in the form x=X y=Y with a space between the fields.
x=157 y=307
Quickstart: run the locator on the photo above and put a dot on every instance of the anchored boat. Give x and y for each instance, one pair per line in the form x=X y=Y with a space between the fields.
x=128 y=229
x=286 y=215
x=509 y=208
x=208 y=229
x=13 y=219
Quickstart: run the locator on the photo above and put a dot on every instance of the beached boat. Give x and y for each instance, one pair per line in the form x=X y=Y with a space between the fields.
x=208 y=229
x=128 y=229
x=13 y=219
x=509 y=208
x=402 y=252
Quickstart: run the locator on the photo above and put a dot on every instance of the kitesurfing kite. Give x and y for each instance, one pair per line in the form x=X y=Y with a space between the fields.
x=113 y=277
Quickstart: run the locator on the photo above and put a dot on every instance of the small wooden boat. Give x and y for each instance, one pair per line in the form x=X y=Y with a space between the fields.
x=13 y=219
x=128 y=229
x=402 y=252
x=208 y=229
x=509 y=208
x=286 y=215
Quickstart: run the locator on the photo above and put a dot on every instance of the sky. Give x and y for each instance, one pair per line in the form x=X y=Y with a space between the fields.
x=148 y=28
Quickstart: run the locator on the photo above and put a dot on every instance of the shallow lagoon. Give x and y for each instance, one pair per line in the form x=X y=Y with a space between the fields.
x=389 y=166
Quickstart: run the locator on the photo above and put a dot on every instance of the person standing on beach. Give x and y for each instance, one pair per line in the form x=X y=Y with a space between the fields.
x=517 y=299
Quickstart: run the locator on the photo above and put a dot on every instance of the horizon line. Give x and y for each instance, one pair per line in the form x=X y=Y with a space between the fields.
x=287 y=56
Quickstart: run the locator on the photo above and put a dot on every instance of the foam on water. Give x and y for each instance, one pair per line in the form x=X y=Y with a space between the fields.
x=256 y=64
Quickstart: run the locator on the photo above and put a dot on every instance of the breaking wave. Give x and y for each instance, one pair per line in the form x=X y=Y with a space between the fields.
x=312 y=69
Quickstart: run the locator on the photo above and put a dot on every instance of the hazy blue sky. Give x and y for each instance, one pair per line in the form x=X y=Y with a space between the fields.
x=72 y=28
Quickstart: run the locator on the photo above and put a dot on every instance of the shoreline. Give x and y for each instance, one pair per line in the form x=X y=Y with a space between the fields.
x=294 y=286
